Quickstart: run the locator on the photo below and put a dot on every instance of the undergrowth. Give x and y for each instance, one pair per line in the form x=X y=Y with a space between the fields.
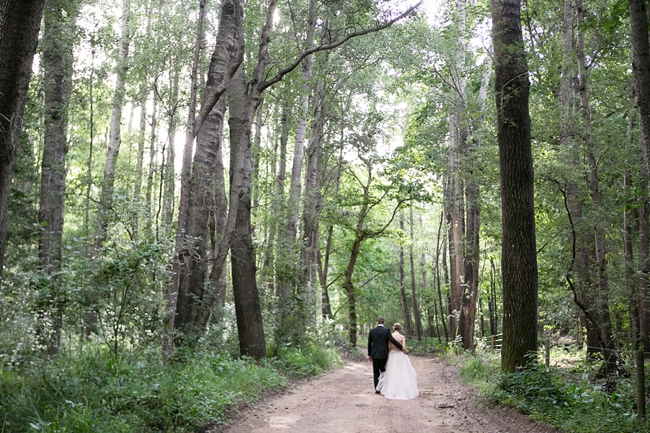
x=99 y=392
x=564 y=397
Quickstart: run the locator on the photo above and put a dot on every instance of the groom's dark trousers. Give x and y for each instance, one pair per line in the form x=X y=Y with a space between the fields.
x=378 y=339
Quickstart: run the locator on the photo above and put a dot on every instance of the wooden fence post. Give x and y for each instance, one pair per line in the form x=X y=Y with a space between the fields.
x=640 y=384
x=492 y=343
x=547 y=345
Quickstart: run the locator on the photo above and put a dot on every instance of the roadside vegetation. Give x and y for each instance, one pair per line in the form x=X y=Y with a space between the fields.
x=96 y=391
x=569 y=394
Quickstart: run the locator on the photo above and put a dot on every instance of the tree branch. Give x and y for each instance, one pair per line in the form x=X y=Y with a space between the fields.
x=335 y=44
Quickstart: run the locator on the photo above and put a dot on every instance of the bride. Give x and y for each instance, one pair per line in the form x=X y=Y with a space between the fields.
x=399 y=382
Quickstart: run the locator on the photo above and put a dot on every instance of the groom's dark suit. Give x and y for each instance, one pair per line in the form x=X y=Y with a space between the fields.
x=378 y=339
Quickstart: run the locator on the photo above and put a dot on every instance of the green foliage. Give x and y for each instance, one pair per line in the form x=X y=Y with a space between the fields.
x=304 y=362
x=563 y=397
x=98 y=391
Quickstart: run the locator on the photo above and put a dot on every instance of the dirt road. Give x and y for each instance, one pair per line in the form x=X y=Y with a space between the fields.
x=344 y=402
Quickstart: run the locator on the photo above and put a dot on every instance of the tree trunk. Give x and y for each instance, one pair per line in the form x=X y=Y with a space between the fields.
x=417 y=319
x=455 y=229
x=170 y=172
x=244 y=284
x=20 y=22
x=171 y=296
x=439 y=255
x=324 y=268
x=115 y=137
x=59 y=23
x=406 y=312
x=311 y=210
x=641 y=74
x=630 y=277
x=194 y=255
x=601 y=306
x=267 y=273
x=292 y=271
x=153 y=149
x=215 y=298
x=519 y=255
x=354 y=253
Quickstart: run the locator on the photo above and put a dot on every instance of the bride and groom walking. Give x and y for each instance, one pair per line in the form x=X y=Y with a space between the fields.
x=393 y=374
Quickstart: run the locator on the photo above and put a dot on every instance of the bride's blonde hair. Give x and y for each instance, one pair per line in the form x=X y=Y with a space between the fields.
x=397 y=327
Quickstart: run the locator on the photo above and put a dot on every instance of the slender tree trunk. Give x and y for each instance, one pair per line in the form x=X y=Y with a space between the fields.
x=311 y=212
x=406 y=313
x=630 y=277
x=492 y=305
x=142 y=133
x=439 y=255
x=601 y=306
x=20 y=22
x=215 y=299
x=153 y=149
x=641 y=74
x=255 y=154
x=324 y=269
x=59 y=23
x=417 y=319
x=115 y=136
x=170 y=172
x=292 y=266
x=349 y=289
x=171 y=296
x=519 y=255
x=267 y=276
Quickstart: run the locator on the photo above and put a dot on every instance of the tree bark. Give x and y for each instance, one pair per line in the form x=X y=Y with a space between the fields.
x=417 y=319
x=20 y=23
x=519 y=255
x=59 y=23
x=171 y=296
x=244 y=284
x=194 y=256
x=406 y=312
x=641 y=74
x=170 y=172
x=311 y=210
x=292 y=271
x=630 y=277
x=441 y=255
x=601 y=306
x=115 y=137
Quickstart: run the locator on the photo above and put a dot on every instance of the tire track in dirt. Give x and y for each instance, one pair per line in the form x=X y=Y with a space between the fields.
x=344 y=401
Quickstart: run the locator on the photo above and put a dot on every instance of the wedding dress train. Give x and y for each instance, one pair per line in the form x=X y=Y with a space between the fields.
x=399 y=381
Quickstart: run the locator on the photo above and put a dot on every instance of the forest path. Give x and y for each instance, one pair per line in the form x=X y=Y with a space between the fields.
x=344 y=402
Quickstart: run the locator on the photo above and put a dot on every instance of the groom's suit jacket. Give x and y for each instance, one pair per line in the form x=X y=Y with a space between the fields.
x=378 y=342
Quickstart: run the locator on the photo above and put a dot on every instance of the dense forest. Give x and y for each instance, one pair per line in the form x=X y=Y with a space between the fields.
x=251 y=182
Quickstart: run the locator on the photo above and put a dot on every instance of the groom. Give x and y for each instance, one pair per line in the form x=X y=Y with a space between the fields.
x=378 y=348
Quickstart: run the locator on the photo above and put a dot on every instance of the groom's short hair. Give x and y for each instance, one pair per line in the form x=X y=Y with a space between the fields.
x=381 y=320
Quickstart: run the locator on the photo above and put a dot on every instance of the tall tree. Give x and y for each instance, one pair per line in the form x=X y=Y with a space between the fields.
x=59 y=24
x=518 y=251
x=20 y=23
x=197 y=216
x=406 y=311
x=417 y=318
x=115 y=135
x=641 y=74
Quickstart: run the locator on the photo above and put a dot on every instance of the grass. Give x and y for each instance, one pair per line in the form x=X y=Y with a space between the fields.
x=565 y=396
x=99 y=392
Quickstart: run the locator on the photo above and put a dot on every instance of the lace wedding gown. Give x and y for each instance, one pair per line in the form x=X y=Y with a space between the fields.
x=399 y=381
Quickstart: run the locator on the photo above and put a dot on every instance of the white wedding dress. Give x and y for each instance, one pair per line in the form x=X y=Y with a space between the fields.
x=399 y=381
